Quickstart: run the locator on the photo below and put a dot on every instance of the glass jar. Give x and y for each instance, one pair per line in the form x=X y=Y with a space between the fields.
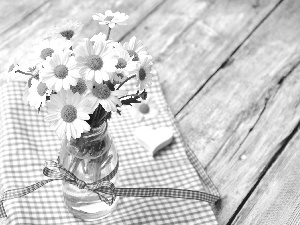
x=90 y=158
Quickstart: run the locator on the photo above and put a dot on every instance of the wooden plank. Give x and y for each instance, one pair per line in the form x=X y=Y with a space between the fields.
x=276 y=199
x=13 y=12
x=18 y=40
x=239 y=115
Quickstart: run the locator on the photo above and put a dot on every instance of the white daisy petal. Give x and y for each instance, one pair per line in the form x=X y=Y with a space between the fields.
x=66 y=84
x=61 y=130
x=73 y=131
x=68 y=131
x=112 y=106
x=52 y=117
x=56 y=124
x=83 y=116
x=58 y=85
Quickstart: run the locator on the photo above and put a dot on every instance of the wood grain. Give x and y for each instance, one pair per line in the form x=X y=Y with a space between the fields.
x=239 y=111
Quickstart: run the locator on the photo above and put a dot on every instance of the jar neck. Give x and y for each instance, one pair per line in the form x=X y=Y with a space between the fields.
x=91 y=144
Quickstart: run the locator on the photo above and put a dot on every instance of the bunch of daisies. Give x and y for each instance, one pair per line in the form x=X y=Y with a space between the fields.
x=79 y=81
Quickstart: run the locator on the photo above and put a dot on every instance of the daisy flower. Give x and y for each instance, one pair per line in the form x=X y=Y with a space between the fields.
x=36 y=93
x=95 y=60
x=69 y=30
x=67 y=113
x=108 y=99
x=110 y=18
x=136 y=49
x=144 y=75
x=48 y=46
x=147 y=109
x=125 y=65
x=59 y=71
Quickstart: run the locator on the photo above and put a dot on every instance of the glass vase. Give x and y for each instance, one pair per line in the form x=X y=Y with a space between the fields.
x=90 y=158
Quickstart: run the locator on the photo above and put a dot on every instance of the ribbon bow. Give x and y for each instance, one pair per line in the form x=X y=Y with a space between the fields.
x=103 y=187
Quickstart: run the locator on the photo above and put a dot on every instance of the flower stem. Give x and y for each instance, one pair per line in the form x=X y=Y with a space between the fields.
x=19 y=71
x=108 y=33
x=125 y=81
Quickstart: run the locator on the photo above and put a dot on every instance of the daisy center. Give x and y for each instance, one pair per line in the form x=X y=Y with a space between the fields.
x=101 y=91
x=80 y=87
x=144 y=108
x=68 y=34
x=134 y=54
x=142 y=74
x=61 y=71
x=68 y=113
x=94 y=62
x=41 y=89
x=121 y=63
x=46 y=52
x=109 y=18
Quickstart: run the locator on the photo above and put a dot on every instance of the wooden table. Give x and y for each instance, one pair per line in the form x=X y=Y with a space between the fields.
x=230 y=73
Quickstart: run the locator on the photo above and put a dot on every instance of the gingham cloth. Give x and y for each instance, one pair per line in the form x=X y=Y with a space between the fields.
x=26 y=143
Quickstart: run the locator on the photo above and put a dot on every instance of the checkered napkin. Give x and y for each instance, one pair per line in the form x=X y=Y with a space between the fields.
x=26 y=143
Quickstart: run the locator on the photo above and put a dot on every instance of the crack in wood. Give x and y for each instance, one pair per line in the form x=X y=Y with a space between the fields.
x=266 y=100
x=290 y=67
x=227 y=63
